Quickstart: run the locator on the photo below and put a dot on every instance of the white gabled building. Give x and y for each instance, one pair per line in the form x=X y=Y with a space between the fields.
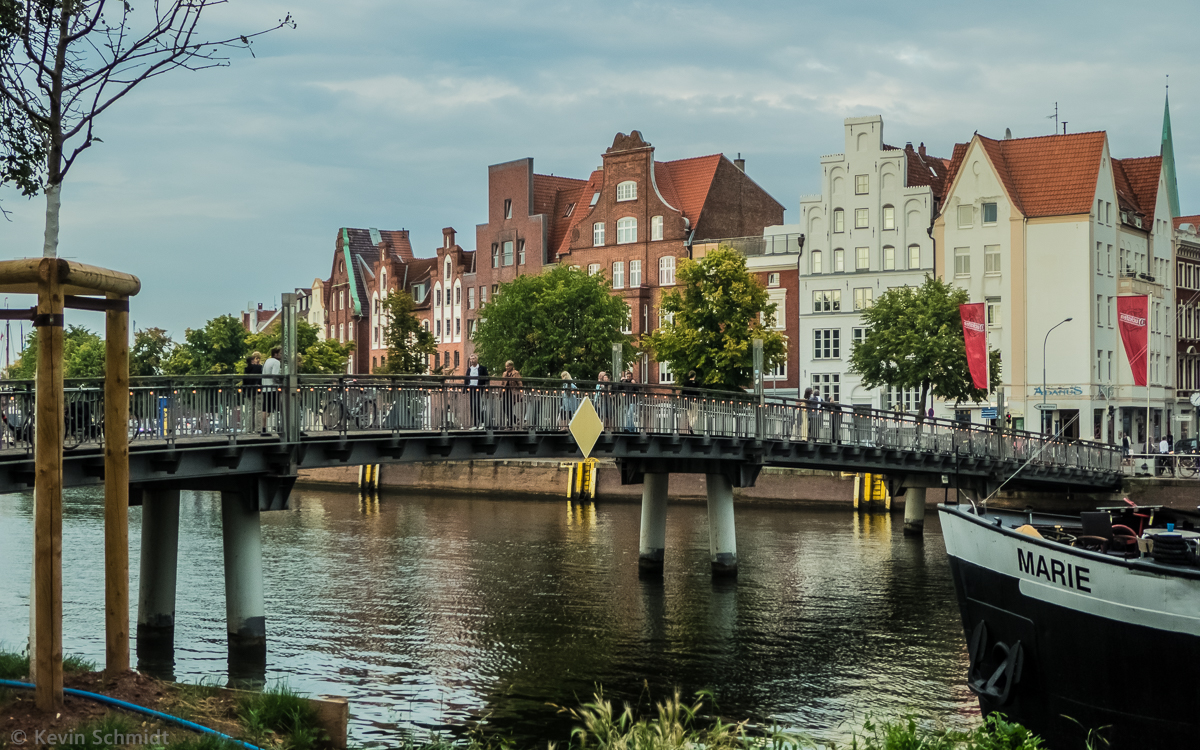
x=867 y=231
x=1049 y=228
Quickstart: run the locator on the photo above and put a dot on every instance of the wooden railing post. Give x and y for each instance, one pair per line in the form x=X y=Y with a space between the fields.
x=48 y=458
x=116 y=490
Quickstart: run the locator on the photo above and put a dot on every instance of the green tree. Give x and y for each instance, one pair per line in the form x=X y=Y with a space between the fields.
x=328 y=356
x=150 y=352
x=83 y=355
x=560 y=320
x=914 y=339
x=408 y=343
x=219 y=347
x=710 y=320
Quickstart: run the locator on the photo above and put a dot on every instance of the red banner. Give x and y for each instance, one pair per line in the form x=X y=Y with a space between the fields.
x=975 y=338
x=1133 y=313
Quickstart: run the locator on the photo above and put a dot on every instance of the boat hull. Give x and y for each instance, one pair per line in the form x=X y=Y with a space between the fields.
x=1125 y=667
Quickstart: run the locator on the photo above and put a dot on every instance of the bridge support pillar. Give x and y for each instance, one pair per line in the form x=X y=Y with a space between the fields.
x=244 y=612
x=914 y=511
x=653 y=544
x=160 y=555
x=722 y=541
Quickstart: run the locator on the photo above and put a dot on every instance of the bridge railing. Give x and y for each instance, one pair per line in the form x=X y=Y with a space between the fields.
x=236 y=406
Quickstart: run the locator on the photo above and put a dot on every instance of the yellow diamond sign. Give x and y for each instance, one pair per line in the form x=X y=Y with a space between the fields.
x=586 y=427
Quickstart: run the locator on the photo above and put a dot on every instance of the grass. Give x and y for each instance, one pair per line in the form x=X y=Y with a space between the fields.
x=281 y=712
x=14 y=666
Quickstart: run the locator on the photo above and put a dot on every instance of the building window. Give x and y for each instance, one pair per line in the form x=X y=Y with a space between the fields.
x=342 y=299
x=914 y=256
x=627 y=326
x=772 y=279
x=778 y=297
x=471 y=298
x=457 y=361
x=862 y=259
x=627 y=191
x=471 y=328
x=495 y=290
x=495 y=255
x=816 y=261
x=656 y=227
x=598 y=234
x=508 y=208
x=778 y=372
x=508 y=253
x=829 y=300
x=457 y=294
x=862 y=184
x=966 y=217
x=991 y=259
x=618 y=275
x=666 y=270
x=437 y=296
x=839 y=220
x=889 y=217
x=595 y=198
x=993 y=312
x=861 y=218
x=827 y=343
x=989 y=213
x=863 y=297
x=570 y=210
x=839 y=261
x=521 y=252
x=437 y=331
x=593 y=269
x=664 y=373
x=626 y=230
x=962 y=261
x=376 y=335
x=828 y=386
x=902 y=399
x=889 y=258
x=482 y=296
x=858 y=334
x=635 y=273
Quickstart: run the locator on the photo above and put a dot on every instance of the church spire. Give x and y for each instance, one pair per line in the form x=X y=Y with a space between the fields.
x=1168 y=160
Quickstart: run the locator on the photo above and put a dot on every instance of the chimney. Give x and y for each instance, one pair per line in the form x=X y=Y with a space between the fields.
x=448 y=238
x=921 y=149
x=739 y=162
x=1008 y=134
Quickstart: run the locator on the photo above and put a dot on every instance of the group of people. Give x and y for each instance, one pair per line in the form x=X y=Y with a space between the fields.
x=607 y=411
x=261 y=398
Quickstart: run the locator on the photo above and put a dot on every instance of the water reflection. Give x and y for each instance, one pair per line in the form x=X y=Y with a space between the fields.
x=436 y=611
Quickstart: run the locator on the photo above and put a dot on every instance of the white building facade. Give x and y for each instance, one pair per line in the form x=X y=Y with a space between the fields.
x=1050 y=228
x=867 y=231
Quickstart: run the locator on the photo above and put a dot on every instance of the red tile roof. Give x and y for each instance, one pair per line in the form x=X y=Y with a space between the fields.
x=1137 y=184
x=691 y=180
x=924 y=169
x=551 y=196
x=561 y=240
x=1194 y=220
x=1053 y=175
x=398 y=243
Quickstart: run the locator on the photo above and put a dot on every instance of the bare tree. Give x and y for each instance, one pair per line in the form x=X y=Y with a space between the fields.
x=65 y=62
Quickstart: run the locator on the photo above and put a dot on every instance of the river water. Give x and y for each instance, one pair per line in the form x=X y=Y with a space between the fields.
x=433 y=612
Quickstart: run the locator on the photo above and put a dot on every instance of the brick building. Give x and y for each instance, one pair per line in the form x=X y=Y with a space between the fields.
x=632 y=220
x=362 y=261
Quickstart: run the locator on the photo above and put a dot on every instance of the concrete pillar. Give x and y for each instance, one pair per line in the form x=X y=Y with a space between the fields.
x=159 y=560
x=914 y=511
x=722 y=541
x=653 y=542
x=244 y=613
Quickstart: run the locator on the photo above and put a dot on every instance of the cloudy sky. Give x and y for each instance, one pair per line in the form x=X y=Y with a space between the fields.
x=226 y=187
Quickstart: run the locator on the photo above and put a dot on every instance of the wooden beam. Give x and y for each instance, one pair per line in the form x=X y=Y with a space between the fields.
x=116 y=490
x=23 y=276
x=48 y=459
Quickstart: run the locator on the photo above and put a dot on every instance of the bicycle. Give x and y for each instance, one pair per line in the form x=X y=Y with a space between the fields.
x=1187 y=464
x=350 y=409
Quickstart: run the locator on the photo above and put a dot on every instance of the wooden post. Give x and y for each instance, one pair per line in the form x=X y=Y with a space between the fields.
x=48 y=458
x=116 y=490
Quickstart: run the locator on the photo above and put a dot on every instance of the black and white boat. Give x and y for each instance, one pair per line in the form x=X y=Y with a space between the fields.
x=1082 y=622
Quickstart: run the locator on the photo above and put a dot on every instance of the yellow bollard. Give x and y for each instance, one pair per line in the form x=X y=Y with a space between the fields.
x=857 y=482
x=570 y=480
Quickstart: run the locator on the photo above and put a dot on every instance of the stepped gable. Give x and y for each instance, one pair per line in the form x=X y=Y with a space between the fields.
x=1137 y=184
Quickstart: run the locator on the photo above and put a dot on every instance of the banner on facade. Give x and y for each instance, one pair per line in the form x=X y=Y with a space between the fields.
x=1133 y=318
x=975 y=338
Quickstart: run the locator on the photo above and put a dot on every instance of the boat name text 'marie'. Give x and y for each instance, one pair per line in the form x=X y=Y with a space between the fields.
x=1064 y=574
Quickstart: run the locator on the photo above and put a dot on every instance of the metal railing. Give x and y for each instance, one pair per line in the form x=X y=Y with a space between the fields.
x=771 y=244
x=1168 y=465
x=174 y=409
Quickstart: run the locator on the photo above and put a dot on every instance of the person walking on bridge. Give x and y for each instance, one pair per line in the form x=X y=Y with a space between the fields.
x=251 y=384
x=477 y=381
x=271 y=377
x=512 y=395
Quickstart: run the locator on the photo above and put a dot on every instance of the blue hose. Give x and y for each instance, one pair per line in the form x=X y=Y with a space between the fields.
x=137 y=709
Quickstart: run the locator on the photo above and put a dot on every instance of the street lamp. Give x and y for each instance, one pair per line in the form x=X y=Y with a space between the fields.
x=1056 y=325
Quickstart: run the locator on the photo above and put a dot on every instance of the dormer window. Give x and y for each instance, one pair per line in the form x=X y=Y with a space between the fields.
x=570 y=210
x=595 y=199
x=627 y=191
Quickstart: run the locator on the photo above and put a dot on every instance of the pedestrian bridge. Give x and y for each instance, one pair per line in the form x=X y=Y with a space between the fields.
x=204 y=432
